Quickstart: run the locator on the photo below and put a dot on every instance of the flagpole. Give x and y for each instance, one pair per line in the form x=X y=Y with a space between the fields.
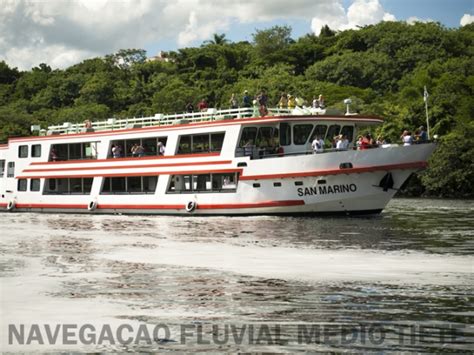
x=425 y=98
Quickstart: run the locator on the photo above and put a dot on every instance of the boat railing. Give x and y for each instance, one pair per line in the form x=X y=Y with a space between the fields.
x=210 y=114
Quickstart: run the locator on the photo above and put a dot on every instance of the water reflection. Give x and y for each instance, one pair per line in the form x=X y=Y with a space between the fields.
x=113 y=267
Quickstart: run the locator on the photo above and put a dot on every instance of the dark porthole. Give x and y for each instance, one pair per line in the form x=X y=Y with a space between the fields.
x=298 y=183
x=256 y=185
x=277 y=184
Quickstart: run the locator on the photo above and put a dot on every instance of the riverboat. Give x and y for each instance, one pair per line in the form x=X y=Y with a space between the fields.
x=217 y=162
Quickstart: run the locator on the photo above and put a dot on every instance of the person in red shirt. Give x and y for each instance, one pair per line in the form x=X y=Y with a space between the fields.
x=202 y=105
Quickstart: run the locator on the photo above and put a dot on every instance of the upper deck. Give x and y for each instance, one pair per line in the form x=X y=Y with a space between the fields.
x=210 y=117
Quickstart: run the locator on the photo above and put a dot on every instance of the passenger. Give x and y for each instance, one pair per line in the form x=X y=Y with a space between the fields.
x=341 y=142
x=133 y=150
x=139 y=151
x=233 y=102
x=116 y=151
x=202 y=105
x=160 y=148
x=262 y=102
x=406 y=137
x=365 y=142
x=315 y=103
x=53 y=155
x=248 y=148
x=190 y=107
x=345 y=142
x=246 y=100
x=88 y=124
x=318 y=145
x=321 y=103
x=380 y=141
x=283 y=103
x=372 y=143
x=291 y=102
x=422 y=136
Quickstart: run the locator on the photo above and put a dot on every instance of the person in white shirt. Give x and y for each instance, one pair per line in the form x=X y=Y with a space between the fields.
x=342 y=142
x=318 y=145
x=407 y=139
x=161 y=148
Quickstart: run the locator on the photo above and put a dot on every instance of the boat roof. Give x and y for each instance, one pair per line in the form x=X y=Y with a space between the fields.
x=210 y=117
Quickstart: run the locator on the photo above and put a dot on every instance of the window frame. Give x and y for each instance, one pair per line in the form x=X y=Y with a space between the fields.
x=22 y=185
x=23 y=151
x=36 y=150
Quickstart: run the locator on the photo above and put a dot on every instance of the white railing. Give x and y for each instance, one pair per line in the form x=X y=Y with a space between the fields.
x=211 y=114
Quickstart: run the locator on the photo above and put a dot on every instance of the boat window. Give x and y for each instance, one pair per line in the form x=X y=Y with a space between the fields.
x=2 y=168
x=22 y=184
x=72 y=186
x=36 y=150
x=285 y=134
x=248 y=136
x=349 y=132
x=73 y=151
x=301 y=133
x=184 y=146
x=129 y=185
x=319 y=130
x=201 y=143
x=222 y=182
x=35 y=184
x=150 y=146
x=217 y=140
x=333 y=131
x=23 y=151
x=11 y=169
x=265 y=137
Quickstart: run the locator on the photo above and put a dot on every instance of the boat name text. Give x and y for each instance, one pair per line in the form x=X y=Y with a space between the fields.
x=324 y=190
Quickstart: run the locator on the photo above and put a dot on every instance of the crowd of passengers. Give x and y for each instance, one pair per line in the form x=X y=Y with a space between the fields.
x=366 y=141
x=136 y=151
x=260 y=101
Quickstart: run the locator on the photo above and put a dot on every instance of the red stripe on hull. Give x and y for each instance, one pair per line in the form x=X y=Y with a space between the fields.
x=159 y=157
x=156 y=173
x=166 y=207
x=46 y=205
x=131 y=166
x=367 y=169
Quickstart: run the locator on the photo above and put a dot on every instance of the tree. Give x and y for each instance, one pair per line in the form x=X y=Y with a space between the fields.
x=270 y=44
x=217 y=40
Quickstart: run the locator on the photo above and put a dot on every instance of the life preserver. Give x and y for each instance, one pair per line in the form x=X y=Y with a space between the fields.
x=191 y=206
x=11 y=205
x=92 y=205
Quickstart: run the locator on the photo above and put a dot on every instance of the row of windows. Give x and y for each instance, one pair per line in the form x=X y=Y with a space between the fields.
x=203 y=183
x=130 y=185
x=302 y=134
x=126 y=147
x=34 y=184
x=135 y=184
x=73 y=151
x=35 y=151
x=68 y=186
x=200 y=143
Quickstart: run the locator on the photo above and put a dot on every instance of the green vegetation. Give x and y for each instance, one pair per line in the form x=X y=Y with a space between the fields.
x=382 y=68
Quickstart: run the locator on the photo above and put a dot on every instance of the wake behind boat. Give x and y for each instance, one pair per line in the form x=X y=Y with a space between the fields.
x=226 y=162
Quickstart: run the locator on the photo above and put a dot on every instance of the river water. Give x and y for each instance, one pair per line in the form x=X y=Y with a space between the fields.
x=401 y=281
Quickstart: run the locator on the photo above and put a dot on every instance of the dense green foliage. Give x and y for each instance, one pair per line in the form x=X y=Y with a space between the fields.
x=383 y=68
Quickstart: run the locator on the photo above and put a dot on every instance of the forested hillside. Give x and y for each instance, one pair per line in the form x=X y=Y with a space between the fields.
x=382 y=68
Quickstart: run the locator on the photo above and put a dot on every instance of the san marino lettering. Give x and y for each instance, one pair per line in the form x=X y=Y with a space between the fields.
x=329 y=189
